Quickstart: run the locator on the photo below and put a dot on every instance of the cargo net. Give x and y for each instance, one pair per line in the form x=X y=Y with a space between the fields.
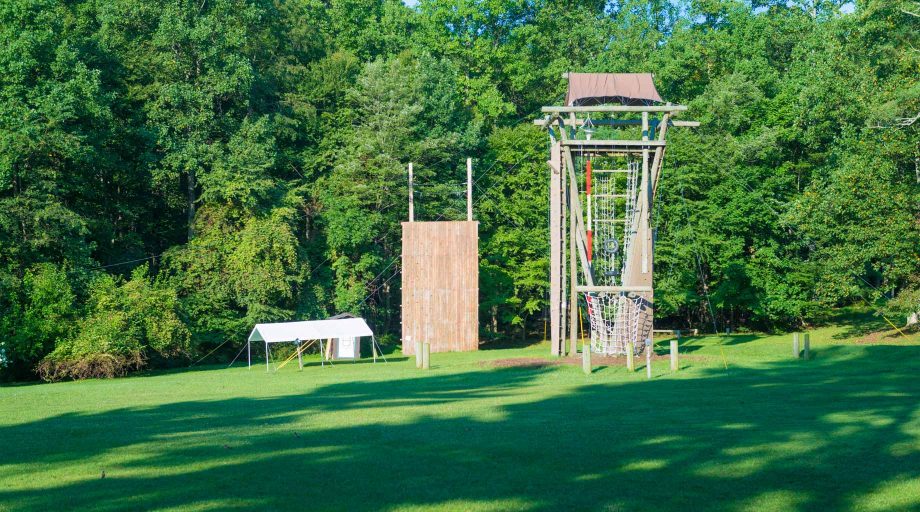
x=614 y=317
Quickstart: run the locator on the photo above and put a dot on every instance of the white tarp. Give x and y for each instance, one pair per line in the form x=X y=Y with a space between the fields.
x=311 y=330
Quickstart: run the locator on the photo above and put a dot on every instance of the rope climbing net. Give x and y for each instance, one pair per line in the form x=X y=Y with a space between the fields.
x=613 y=317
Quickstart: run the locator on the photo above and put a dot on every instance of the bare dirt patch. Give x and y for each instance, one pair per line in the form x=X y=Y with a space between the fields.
x=881 y=337
x=536 y=362
x=521 y=362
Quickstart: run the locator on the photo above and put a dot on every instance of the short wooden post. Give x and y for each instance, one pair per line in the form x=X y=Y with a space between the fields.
x=807 y=344
x=426 y=355
x=795 y=345
x=648 y=358
x=630 y=356
x=586 y=358
x=674 y=365
x=418 y=354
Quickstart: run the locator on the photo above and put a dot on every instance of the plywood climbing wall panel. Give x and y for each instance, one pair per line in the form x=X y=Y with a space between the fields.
x=440 y=285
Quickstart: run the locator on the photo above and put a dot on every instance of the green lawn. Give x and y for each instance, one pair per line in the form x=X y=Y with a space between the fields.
x=838 y=432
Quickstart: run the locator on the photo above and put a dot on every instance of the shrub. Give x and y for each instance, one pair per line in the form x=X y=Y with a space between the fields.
x=39 y=311
x=906 y=305
x=125 y=323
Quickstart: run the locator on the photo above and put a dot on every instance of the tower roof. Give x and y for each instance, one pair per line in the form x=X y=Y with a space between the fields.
x=623 y=88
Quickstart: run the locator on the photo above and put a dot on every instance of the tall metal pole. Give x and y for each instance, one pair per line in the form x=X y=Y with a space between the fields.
x=411 y=196
x=469 y=189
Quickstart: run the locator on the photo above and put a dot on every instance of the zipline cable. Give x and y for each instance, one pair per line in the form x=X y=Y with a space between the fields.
x=699 y=267
x=209 y=353
x=870 y=305
x=238 y=354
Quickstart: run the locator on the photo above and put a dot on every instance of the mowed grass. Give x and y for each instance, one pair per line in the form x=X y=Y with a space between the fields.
x=838 y=432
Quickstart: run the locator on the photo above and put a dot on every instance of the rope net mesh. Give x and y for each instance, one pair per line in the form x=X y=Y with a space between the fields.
x=613 y=317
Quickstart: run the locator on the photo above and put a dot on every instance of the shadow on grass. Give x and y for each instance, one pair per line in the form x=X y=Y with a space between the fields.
x=692 y=344
x=817 y=436
x=740 y=339
x=685 y=345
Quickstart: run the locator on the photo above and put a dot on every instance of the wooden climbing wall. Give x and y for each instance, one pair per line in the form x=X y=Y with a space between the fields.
x=440 y=285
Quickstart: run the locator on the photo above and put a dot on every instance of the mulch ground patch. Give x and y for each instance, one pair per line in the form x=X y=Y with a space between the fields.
x=596 y=360
x=881 y=337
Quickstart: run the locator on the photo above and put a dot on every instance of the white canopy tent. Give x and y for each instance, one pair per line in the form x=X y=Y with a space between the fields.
x=313 y=330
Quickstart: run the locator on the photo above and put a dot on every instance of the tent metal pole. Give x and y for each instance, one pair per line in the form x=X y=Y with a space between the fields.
x=249 y=353
x=266 y=356
x=299 y=355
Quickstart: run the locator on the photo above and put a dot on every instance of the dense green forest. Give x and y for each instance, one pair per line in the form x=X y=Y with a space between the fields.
x=174 y=171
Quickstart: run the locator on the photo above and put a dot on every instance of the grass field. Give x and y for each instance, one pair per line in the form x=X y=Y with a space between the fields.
x=838 y=432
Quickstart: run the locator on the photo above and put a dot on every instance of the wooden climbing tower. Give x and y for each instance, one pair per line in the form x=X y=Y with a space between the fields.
x=440 y=280
x=607 y=145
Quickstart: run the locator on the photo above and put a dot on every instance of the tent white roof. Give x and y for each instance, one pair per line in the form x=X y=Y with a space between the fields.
x=311 y=330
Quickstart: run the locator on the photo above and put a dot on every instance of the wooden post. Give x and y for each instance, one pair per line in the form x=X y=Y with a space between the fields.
x=586 y=358
x=418 y=354
x=807 y=343
x=555 y=246
x=630 y=356
x=573 y=266
x=411 y=196
x=674 y=364
x=564 y=277
x=469 y=190
x=795 y=345
x=646 y=210
x=426 y=355
x=649 y=348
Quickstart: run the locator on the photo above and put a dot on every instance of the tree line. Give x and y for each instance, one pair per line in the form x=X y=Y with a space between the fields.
x=174 y=171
